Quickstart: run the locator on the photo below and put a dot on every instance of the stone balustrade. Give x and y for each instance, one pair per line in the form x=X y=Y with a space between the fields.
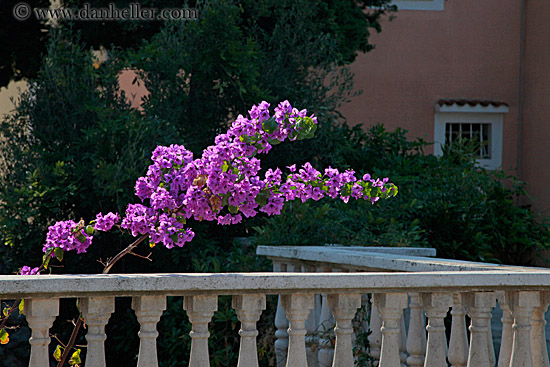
x=421 y=344
x=340 y=294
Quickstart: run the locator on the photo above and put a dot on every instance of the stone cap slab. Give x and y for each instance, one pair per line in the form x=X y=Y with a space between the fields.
x=363 y=259
x=43 y=286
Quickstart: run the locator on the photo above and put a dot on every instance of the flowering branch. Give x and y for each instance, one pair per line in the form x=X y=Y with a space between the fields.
x=222 y=185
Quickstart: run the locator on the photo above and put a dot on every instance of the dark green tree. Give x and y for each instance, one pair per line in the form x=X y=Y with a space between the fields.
x=74 y=147
x=23 y=43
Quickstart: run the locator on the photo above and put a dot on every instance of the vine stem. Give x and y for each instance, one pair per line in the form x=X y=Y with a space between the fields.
x=126 y=251
x=9 y=313
x=106 y=270
x=70 y=345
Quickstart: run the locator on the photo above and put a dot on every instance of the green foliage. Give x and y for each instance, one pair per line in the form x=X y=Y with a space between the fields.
x=72 y=148
x=203 y=74
x=75 y=358
x=4 y=336
x=449 y=203
x=23 y=43
x=58 y=352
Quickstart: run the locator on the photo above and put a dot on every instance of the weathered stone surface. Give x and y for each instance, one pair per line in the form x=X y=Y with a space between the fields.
x=378 y=259
x=271 y=283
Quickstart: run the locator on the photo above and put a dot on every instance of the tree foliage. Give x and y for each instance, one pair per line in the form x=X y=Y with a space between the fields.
x=74 y=147
x=449 y=203
x=23 y=43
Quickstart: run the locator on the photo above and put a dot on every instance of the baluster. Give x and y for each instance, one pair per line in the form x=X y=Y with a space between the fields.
x=297 y=308
x=538 y=334
x=522 y=304
x=416 y=338
x=40 y=313
x=436 y=306
x=391 y=307
x=249 y=309
x=490 y=345
x=317 y=312
x=281 y=323
x=344 y=307
x=312 y=339
x=325 y=329
x=96 y=312
x=479 y=309
x=402 y=341
x=200 y=310
x=148 y=311
x=375 y=338
x=281 y=334
x=363 y=327
x=458 y=343
x=507 y=333
x=326 y=352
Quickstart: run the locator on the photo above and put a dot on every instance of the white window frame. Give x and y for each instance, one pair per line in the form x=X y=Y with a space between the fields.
x=438 y=5
x=472 y=114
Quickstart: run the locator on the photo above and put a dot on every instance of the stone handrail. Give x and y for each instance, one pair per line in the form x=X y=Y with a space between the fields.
x=378 y=259
x=412 y=328
x=525 y=294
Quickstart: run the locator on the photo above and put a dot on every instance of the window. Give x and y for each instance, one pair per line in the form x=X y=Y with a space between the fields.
x=479 y=122
x=479 y=134
x=419 y=4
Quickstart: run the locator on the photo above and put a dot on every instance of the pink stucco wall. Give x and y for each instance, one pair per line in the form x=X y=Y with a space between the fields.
x=535 y=132
x=134 y=91
x=470 y=50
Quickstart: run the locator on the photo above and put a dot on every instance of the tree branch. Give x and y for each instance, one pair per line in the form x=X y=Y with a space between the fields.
x=9 y=313
x=127 y=250
x=71 y=342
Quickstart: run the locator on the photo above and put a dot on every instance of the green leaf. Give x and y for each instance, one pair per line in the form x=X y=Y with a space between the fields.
x=225 y=167
x=270 y=125
x=75 y=358
x=22 y=307
x=58 y=253
x=233 y=209
x=6 y=311
x=262 y=197
x=346 y=190
x=81 y=238
x=58 y=353
x=89 y=230
x=47 y=257
x=4 y=336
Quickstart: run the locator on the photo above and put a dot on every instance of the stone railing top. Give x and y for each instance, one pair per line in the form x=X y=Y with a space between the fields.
x=412 y=251
x=360 y=258
x=43 y=286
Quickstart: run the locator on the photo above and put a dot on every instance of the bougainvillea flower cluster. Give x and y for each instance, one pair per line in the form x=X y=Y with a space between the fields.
x=225 y=183
x=68 y=235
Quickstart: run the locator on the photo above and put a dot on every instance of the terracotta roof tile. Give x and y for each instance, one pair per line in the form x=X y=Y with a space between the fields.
x=470 y=102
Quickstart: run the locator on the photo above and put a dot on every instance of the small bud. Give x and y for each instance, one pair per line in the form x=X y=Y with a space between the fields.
x=199 y=181
x=215 y=202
